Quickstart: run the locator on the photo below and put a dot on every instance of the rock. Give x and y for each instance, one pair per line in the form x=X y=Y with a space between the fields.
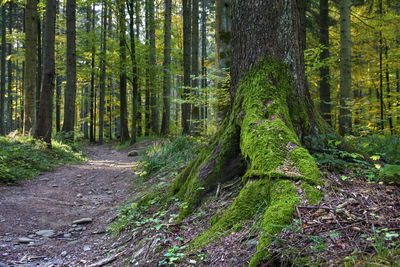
x=64 y=253
x=67 y=235
x=193 y=262
x=109 y=192
x=2 y=264
x=44 y=179
x=31 y=236
x=86 y=248
x=78 y=176
x=46 y=233
x=133 y=153
x=83 y=221
x=79 y=195
x=24 y=240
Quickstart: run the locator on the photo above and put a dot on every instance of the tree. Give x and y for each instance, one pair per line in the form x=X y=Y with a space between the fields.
x=195 y=65
x=204 y=109
x=262 y=137
x=30 y=65
x=122 y=76
x=166 y=68
x=345 y=68
x=45 y=116
x=9 y=72
x=223 y=27
x=324 y=86
x=103 y=71
x=153 y=69
x=3 y=70
x=70 y=89
x=186 y=65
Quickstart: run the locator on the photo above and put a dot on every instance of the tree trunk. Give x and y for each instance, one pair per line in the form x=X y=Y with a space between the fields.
x=3 y=71
x=261 y=139
x=122 y=76
x=134 y=73
x=70 y=89
x=90 y=16
x=39 y=66
x=186 y=66
x=345 y=68
x=324 y=86
x=153 y=71
x=103 y=71
x=45 y=116
x=223 y=27
x=148 y=70
x=195 y=67
x=58 y=103
x=166 y=68
x=204 y=109
x=9 y=74
x=139 y=94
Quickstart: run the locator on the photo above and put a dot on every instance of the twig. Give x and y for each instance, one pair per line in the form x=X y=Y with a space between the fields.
x=301 y=221
x=316 y=207
x=106 y=260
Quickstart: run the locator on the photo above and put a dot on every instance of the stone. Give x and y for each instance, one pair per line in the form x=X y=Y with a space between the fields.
x=46 y=233
x=78 y=176
x=133 y=153
x=64 y=253
x=2 y=264
x=24 y=240
x=67 y=235
x=86 y=248
x=79 y=195
x=44 y=179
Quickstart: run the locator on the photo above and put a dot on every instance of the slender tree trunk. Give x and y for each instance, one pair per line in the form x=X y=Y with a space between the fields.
x=45 y=117
x=134 y=73
x=39 y=66
x=345 y=68
x=186 y=65
x=204 y=110
x=388 y=92
x=153 y=71
x=3 y=71
x=58 y=103
x=324 y=86
x=195 y=67
x=91 y=13
x=70 y=89
x=380 y=47
x=166 y=68
x=139 y=94
x=103 y=71
x=122 y=77
x=223 y=26
x=9 y=72
x=148 y=70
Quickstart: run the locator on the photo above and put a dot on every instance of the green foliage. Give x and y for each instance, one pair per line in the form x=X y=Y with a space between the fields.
x=174 y=255
x=386 y=146
x=24 y=158
x=168 y=154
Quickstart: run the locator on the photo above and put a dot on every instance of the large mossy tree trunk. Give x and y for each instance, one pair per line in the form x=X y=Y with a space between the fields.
x=263 y=138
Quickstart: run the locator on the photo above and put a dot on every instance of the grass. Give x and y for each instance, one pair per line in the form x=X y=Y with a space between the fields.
x=24 y=158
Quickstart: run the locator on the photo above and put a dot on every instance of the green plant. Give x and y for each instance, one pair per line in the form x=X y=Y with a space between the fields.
x=173 y=256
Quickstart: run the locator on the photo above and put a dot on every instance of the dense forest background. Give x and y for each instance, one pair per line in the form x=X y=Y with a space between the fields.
x=136 y=76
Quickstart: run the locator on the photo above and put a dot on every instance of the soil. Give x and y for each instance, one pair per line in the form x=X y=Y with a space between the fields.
x=55 y=199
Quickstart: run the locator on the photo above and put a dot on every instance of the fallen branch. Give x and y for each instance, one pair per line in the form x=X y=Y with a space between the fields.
x=106 y=260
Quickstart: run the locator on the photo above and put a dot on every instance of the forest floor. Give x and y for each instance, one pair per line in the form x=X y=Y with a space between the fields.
x=357 y=222
x=54 y=200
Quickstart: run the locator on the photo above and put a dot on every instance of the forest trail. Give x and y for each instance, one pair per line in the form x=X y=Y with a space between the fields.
x=54 y=200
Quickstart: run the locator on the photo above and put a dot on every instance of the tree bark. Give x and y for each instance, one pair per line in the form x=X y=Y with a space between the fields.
x=166 y=68
x=70 y=89
x=223 y=28
x=324 y=86
x=10 y=124
x=3 y=71
x=345 y=68
x=262 y=137
x=103 y=71
x=122 y=76
x=45 y=116
x=186 y=65
x=139 y=93
x=204 y=109
x=153 y=71
x=195 y=67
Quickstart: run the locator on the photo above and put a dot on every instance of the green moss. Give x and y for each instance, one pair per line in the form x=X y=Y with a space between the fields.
x=306 y=165
x=242 y=209
x=283 y=200
x=313 y=195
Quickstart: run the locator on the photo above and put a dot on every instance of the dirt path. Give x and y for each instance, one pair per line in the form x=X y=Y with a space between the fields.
x=54 y=200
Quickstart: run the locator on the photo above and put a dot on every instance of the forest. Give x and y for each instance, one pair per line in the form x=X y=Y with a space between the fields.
x=200 y=133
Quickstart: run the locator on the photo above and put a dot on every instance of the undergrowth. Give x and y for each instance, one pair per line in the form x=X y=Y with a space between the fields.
x=167 y=154
x=23 y=157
